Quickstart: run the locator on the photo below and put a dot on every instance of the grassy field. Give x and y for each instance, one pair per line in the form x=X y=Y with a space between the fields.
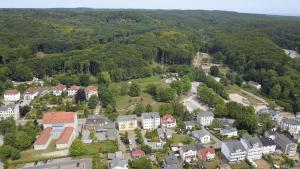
x=181 y=138
x=240 y=165
x=108 y=146
x=213 y=163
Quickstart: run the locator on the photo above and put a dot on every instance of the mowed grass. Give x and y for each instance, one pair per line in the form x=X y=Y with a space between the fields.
x=240 y=165
x=181 y=138
x=108 y=146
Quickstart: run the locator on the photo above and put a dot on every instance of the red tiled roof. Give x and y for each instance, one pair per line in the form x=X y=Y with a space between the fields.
x=60 y=87
x=31 y=90
x=136 y=153
x=11 y=91
x=65 y=136
x=74 y=87
x=202 y=153
x=58 y=117
x=44 y=136
x=91 y=89
x=167 y=118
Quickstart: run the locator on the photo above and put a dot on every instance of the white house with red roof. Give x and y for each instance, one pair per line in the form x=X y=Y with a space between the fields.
x=90 y=91
x=72 y=90
x=12 y=95
x=206 y=153
x=57 y=91
x=59 y=125
x=168 y=121
x=30 y=93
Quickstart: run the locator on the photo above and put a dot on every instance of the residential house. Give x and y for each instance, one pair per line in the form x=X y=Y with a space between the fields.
x=94 y=122
x=269 y=146
x=90 y=91
x=117 y=161
x=254 y=85
x=205 y=118
x=273 y=113
x=30 y=93
x=206 y=153
x=72 y=90
x=12 y=95
x=57 y=125
x=150 y=120
x=233 y=151
x=137 y=153
x=59 y=89
x=127 y=122
x=286 y=145
x=229 y=132
x=188 y=153
x=9 y=110
x=171 y=162
x=164 y=133
x=168 y=121
x=291 y=125
x=253 y=146
x=189 y=124
x=201 y=136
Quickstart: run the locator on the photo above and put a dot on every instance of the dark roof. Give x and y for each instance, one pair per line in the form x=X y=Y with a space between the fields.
x=171 y=162
x=267 y=141
x=94 y=119
x=7 y=106
x=189 y=147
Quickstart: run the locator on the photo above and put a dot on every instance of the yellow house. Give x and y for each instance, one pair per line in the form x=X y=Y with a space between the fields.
x=127 y=122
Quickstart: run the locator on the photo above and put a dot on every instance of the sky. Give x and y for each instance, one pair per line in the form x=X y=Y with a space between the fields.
x=277 y=7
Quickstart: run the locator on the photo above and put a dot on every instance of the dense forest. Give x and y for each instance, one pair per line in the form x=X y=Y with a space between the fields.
x=131 y=44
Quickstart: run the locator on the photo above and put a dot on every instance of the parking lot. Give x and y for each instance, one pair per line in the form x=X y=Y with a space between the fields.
x=63 y=163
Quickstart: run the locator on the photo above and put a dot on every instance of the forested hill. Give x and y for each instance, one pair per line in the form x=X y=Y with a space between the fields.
x=127 y=43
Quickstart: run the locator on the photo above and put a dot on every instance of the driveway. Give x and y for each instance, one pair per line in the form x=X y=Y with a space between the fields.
x=121 y=145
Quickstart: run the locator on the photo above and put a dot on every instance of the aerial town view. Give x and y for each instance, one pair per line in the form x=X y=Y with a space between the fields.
x=134 y=84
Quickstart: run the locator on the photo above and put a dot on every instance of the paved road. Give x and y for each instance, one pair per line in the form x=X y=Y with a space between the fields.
x=64 y=164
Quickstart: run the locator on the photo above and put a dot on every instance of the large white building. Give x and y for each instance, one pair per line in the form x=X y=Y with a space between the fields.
x=150 y=120
x=205 y=118
x=291 y=125
x=9 y=110
x=234 y=151
x=253 y=146
x=12 y=95
x=188 y=153
x=57 y=125
x=269 y=146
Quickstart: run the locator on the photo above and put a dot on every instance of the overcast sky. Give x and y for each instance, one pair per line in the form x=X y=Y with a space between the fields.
x=280 y=7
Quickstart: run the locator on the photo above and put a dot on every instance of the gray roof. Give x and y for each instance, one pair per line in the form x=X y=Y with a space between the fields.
x=251 y=141
x=150 y=115
x=229 y=129
x=7 y=106
x=205 y=114
x=189 y=147
x=291 y=121
x=234 y=145
x=283 y=138
x=160 y=132
x=171 y=162
x=96 y=119
x=127 y=117
x=268 y=111
x=117 y=163
x=267 y=141
x=199 y=133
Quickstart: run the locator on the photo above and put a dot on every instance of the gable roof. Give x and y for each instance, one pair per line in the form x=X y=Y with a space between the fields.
x=171 y=162
x=73 y=88
x=60 y=87
x=11 y=92
x=137 y=153
x=267 y=141
x=91 y=89
x=234 y=145
x=150 y=115
x=31 y=90
x=199 y=133
x=127 y=118
x=7 y=106
x=202 y=153
x=205 y=114
x=168 y=118
x=43 y=137
x=65 y=136
x=189 y=147
x=58 y=117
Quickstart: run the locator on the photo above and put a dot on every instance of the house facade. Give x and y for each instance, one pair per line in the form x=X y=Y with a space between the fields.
x=31 y=93
x=90 y=91
x=57 y=125
x=233 y=151
x=205 y=118
x=127 y=122
x=59 y=89
x=188 y=153
x=286 y=145
x=94 y=122
x=269 y=146
x=12 y=95
x=291 y=125
x=206 y=153
x=72 y=90
x=201 y=136
x=9 y=110
x=150 y=120
x=168 y=121
x=253 y=146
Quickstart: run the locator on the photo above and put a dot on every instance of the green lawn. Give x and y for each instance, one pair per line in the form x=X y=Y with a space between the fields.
x=240 y=165
x=181 y=138
x=93 y=148
x=213 y=163
x=108 y=146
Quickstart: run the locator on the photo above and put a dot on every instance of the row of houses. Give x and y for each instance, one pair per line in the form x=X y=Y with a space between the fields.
x=30 y=93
